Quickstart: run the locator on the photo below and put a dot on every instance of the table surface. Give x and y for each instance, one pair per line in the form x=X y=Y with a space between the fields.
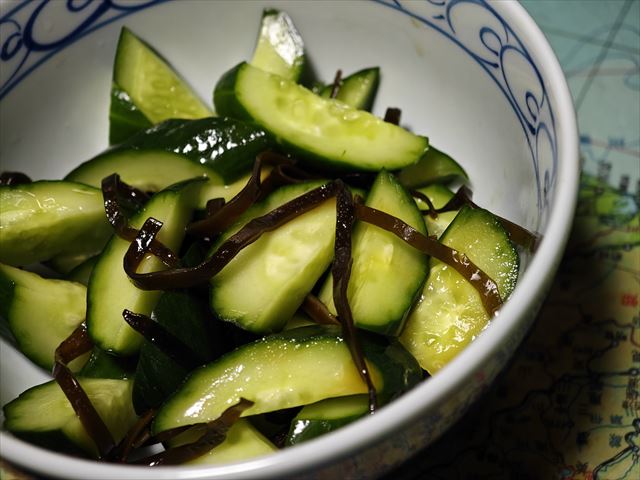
x=568 y=406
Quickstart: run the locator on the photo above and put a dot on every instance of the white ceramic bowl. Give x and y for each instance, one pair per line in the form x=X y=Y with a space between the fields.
x=479 y=79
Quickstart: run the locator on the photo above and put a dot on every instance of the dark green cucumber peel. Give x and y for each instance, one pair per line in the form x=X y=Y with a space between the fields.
x=103 y=365
x=158 y=375
x=228 y=146
x=324 y=132
x=434 y=167
x=125 y=119
x=326 y=416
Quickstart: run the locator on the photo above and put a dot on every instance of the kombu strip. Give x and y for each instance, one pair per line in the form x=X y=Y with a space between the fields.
x=14 y=178
x=214 y=433
x=341 y=272
x=392 y=115
x=337 y=83
x=113 y=190
x=318 y=311
x=519 y=235
x=75 y=345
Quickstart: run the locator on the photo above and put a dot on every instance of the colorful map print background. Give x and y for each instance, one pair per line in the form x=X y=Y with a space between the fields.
x=568 y=407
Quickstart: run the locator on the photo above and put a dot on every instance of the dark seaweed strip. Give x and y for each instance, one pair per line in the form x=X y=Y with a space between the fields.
x=188 y=277
x=169 y=344
x=135 y=437
x=392 y=115
x=253 y=191
x=14 y=178
x=485 y=286
x=74 y=346
x=337 y=83
x=318 y=311
x=112 y=189
x=519 y=235
x=431 y=211
x=341 y=271
x=214 y=205
x=214 y=434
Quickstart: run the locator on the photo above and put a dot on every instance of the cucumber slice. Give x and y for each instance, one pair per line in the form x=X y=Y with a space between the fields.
x=43 y=219
x=386 y=274
x=148 y=170
x=326 y=416
x=43 y=415
x=103 y=365
x=228 y=146
x=434 y=167
x=40 y=312
x=439 y=196
x=65 y=263
x=243 y=442
x=82 y=272
x=110 y=291
x=451 y=314
x=148 y=85
x=263 y=286
x=323 y=131
x=358 y=90
x=293 y=368
x=279 y=49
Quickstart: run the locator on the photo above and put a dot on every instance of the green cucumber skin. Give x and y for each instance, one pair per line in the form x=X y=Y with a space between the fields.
x=40 y=313
x=228 y=101
x=226 y=145
x=285 y=58
x=43 y=219
x=103 y=365
x=439 y=196
x=358 y=90
x=435 y=167
x=158 y=375
x=397 y=369
x=125 y=119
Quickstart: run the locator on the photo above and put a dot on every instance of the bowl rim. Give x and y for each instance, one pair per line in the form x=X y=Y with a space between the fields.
x=517 y=314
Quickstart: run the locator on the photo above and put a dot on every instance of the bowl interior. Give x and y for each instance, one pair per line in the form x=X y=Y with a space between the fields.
x=463 y=76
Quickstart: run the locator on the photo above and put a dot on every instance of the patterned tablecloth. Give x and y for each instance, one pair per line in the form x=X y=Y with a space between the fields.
x=568 y=407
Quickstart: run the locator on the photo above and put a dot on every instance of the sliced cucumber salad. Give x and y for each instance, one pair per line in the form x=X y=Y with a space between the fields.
x=238 y=284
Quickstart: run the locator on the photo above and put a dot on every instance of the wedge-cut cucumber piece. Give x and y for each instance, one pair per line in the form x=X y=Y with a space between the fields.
x=110 y=291
x=439 y=195
x=243 y=442
x=148 y=170
x=450 y=313
x=40 y=312
x=143 y=79
x=387 y=273
x=279 y=49
x=226 y=145
x=285 y=370
x=326 y=416
x=104 y=365
x=43 y=415
x=263 y=286
x=434 y=167
x=82 y=272
x=323 y=131
x=43 y=219
x=358 y=90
